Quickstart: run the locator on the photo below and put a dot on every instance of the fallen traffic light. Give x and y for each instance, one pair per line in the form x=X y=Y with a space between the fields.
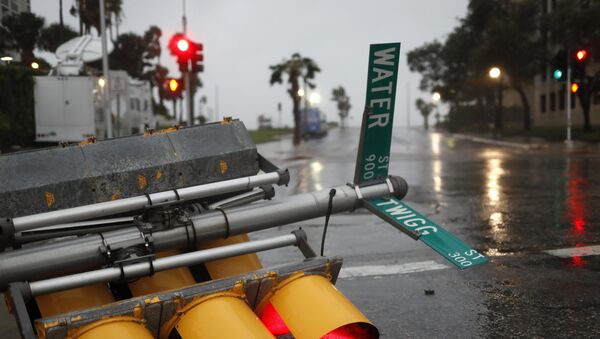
x=309 y=306
x=219 y=315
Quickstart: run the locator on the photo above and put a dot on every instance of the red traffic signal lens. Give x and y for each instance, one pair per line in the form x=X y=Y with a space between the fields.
x=352 y=331
x=173 y=85
x=273 y=321
x=581 y=55
x=574 y=87
x=183 y=45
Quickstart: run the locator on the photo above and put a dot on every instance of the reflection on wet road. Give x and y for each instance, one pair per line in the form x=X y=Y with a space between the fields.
x=513 y=204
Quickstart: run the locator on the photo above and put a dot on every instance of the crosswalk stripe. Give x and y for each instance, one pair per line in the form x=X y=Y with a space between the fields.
x=581 y=251
x=379 y=270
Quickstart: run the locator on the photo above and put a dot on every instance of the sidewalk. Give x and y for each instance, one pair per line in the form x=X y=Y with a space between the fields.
x=529 y=143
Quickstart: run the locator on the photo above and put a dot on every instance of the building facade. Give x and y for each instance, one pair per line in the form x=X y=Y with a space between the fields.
x=8 y=7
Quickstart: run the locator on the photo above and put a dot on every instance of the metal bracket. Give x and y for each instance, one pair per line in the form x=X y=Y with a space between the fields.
x=126 y=249
x=303 y=245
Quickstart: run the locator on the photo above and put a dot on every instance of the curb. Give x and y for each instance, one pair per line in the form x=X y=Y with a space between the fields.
x=500 y=142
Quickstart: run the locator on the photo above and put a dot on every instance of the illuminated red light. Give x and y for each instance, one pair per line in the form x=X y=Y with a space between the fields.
x=273 y=321
x=581 y=54
x=183 y=45
x=353 y=331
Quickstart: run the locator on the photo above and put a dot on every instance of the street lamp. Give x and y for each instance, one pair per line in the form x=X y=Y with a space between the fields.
x=314 y=98
x=35 y=65
x=496 y=74
x=436 y=97
x=300 y=92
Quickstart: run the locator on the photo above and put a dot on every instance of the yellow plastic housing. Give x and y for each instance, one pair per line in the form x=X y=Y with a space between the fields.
x=221 y=315
x=116 y=327
x=74 y=299
x=229 y=267
x=311 y=306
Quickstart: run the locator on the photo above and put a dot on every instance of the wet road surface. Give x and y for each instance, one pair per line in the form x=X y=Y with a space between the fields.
x=515 y=205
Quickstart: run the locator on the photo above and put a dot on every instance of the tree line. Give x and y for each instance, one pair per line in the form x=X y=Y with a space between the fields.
x=519 y=37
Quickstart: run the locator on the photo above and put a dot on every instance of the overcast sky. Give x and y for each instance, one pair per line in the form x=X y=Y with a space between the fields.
x=242 y=38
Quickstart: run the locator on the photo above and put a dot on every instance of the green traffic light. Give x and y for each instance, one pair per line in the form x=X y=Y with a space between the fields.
x=557 y=74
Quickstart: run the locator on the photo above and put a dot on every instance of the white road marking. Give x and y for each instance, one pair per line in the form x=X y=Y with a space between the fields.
x=378 y=270
x=582 y=251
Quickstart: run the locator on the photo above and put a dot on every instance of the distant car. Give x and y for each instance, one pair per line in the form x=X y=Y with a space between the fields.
x=314 y=124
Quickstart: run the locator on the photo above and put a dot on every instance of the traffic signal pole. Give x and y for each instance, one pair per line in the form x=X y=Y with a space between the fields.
x=106 y=89
x=568 y=93
x=186 y=77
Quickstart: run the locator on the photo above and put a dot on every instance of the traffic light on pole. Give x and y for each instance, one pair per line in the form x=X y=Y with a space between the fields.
x=182 y=48
x=173 y=87
x=197 y=58
x=579 y=58
x=559 y=66
x=574 y=87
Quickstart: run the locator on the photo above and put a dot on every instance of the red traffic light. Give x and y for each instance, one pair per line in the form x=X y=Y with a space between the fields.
x=581 y=55
x=183 y=45
x=574 y=87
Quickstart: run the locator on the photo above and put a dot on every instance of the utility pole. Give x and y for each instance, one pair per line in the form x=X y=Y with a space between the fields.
x=568 y=93
x=408 y=104
x=186 y=76
x=107 y=113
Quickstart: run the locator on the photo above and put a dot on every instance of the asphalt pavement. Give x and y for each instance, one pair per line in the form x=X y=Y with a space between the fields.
x=534 y=211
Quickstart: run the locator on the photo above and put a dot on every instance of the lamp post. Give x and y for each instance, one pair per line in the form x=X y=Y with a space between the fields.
x=496 y=74
x=436 y=97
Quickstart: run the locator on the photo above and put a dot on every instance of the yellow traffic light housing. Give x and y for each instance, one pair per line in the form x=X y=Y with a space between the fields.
x=311 y=307
x=219 y=315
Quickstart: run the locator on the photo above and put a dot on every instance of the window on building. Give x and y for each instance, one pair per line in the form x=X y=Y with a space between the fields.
x=543 y=103
x=14 y=6
x=561 y=100
x=552 y=101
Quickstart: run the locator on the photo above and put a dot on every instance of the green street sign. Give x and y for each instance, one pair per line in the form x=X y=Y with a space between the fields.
x=408 y=220
x=376 y=132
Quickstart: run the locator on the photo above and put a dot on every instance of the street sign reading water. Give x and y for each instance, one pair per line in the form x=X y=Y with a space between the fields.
x=376 y=133
x=374 y=155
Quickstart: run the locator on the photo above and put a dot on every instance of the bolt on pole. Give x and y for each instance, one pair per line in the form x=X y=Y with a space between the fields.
x=106 y=89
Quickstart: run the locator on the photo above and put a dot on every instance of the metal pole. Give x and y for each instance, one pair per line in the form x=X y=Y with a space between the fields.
x=141 y=269
x=188 y=97
x=408 y=104
x=132 y=204
x=105 y=70
x=568 y=91
x=77 y=254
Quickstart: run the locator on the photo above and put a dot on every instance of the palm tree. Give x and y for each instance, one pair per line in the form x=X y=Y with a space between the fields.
x=55 y=35
x=88 y=12
x=24 y=30
x=425 y=108
x=343 y=103
x=295 y=68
